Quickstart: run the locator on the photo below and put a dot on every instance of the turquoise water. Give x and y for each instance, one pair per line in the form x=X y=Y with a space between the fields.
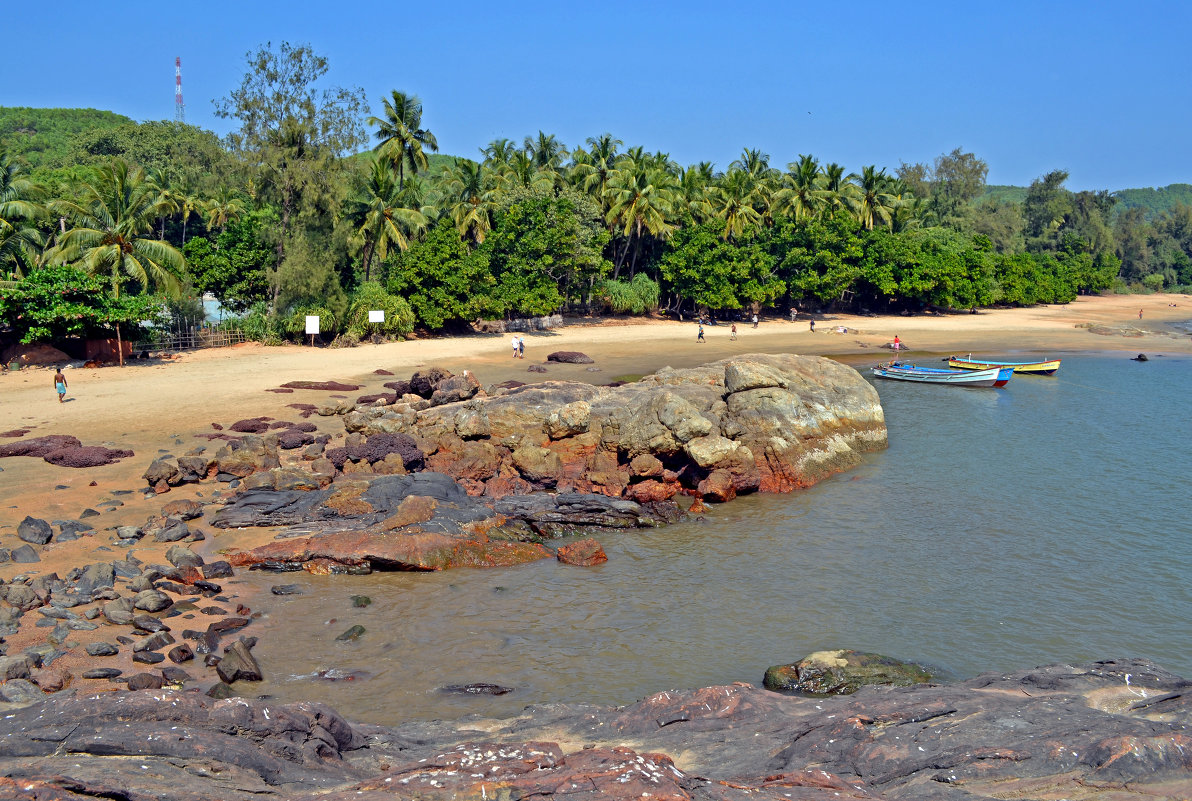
x=1001 y=529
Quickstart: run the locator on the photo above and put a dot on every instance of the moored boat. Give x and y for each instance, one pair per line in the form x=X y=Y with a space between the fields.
x=991 y=377
x=1047 y=367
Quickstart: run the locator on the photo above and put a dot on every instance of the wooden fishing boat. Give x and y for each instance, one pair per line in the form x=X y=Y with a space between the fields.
x=1029 y=368
x=992 y=377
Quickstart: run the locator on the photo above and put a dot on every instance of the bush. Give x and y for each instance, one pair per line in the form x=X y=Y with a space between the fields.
x=630 y=297
x=295 y=324
x=399 y=317
x=258 y=325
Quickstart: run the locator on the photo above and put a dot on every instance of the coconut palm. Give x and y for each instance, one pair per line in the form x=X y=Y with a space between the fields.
x=400 y=135
x=468 y=197
x=641 y=200
x=222 y=209
x=382 y=220
x=872 y=201
x=733 y=202
x=837 y=189
x=546 y=151
x=521 y=171
x=695 y=186
x=759 y=181
x=802 y=194
x=20 y=207
x=593 y=169
x=112 y=217
x=498 y=152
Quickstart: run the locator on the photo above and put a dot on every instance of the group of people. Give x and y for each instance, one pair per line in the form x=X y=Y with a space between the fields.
x=519 y=348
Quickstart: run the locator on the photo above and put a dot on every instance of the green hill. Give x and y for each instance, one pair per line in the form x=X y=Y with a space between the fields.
x=1154 y=201
x=45 y=136
x=1003 y=194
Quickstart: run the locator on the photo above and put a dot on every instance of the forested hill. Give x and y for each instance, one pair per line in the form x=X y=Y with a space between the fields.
x=45 y=136
x=1154 y=201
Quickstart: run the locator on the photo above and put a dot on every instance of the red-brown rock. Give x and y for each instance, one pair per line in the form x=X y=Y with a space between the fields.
x=583 y=553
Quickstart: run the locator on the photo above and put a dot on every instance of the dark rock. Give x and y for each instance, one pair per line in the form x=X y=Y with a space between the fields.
x=842 y=672
x=179 y=556
x=535 y=368
x=253 y=425
x=285 y=589
x=21 y=691
x=151 y=601
x=162 y=469
x=34 y=530
x=86 y=456
x=183 y=509
x=361 y=601
x=101 y=673
x=175 y=675
x=144 y=681
x=25 y=555
x=238 y=663
x=423 y=382
x=88 y=512
x=330 y=386
x=39 y=446
x=1140 y=358
x=153 y=642
x=15 y=667
x=181 y=653
x=148 y=657
x=95 y=577
x=352 y=635
x=569 y=357
x=148 y=623
x=475 y=689
x=102 y=649
x=214 y=570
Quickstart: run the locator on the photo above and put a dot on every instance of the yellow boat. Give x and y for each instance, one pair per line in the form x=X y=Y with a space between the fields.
x=1031 y=368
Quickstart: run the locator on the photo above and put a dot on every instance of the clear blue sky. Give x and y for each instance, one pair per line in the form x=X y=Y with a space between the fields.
x=1101 y=89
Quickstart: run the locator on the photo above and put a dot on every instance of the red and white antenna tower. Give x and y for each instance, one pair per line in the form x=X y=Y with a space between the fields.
x=179 y=106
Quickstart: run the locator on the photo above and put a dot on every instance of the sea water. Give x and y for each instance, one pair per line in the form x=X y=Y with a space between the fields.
x=1045 y=522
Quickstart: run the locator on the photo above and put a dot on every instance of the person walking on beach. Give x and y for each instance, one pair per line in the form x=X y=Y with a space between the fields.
x=812 y=321
x=733 y=332
x=60 y=384
x=514 y=341
x=1140 y=314
x=700 y=336
x=755 y=321
x=521 y=347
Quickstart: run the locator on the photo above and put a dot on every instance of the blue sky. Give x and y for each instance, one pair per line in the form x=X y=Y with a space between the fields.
x=1102 y=90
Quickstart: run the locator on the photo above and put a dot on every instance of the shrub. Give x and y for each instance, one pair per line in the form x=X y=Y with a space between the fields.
x=399 y=318
x=295 y=325
x=630 y=297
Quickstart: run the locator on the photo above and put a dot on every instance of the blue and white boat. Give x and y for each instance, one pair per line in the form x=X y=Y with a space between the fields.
x=897 y=371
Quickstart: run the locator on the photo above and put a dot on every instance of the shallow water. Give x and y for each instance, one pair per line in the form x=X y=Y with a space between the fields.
x=1002 y=529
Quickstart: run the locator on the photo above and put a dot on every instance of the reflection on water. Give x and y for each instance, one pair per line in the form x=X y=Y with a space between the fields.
x=1002 y=529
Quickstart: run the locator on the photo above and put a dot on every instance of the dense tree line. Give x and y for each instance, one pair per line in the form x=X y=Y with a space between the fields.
x=291 y=215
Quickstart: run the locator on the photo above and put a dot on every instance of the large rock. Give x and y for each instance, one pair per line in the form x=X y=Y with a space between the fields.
x=842 y=672
x=34 y=530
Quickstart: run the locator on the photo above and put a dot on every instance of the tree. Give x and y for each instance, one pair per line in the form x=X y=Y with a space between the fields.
x=716 y=273
x=222 y=209
x=641 y=199
x=444 y=281
x=468 y=199
x=872 y=201
x=291 y=137
x=58 y=301
x=112 y=217
x=20 y=208
x=957 y=178
x=234 y=266
x=546 y=151
x=802 y=194
x=381 y=216
x=371 y=296
x=1047 y=204
x=732 y=202
x=400 y=136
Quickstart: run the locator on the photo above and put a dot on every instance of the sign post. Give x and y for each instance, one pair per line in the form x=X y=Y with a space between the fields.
x=312 y=327
x=375 y=318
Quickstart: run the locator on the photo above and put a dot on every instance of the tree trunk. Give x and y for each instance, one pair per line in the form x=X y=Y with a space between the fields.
x=119 y=346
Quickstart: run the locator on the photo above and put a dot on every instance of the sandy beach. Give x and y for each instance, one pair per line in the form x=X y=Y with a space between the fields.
x=164 y=407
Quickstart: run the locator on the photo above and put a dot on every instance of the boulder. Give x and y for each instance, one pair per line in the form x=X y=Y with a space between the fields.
x=584 y=553
x=455 y=389
x=179 y=556
x=238 y=664
x=183 y=509
x=569 y=357
x=842 y=672
x=162 y=469
x=34 y=530
x=423 y=382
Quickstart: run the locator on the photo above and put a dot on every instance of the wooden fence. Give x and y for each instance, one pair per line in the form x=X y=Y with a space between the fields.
x=190 y=339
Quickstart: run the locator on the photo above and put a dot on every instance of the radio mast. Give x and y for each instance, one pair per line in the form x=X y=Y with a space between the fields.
x=179 y=106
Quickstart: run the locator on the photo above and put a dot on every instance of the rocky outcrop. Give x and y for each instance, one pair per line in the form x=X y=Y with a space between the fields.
x=842 y=672
x=757 y=422
x=1104 y=730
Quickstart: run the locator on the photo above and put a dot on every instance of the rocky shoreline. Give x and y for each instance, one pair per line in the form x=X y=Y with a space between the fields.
x=441 y=473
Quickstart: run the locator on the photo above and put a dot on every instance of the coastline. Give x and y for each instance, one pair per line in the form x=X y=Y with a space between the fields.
x=157 y=408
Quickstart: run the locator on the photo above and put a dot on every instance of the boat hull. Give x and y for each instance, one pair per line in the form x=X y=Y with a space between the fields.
x=992 y=377
x=1026 y=368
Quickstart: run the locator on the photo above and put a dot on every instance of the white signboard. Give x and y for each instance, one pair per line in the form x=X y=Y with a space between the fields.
x=376 y=316
x=312 y=323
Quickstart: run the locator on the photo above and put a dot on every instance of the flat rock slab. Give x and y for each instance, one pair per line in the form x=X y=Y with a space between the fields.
x=1103 y=730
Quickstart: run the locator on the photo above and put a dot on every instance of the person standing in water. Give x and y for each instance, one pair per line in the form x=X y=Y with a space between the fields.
x=60 y=384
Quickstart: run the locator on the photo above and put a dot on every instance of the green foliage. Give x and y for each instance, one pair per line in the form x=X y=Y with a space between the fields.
x=717 y=274
x=45 y=137
x=1154 y=202
x=443 y=281
x=294 y=324
x=57 y=302
x=638 y=296
x=307 y=276
x=399 y=317
x=544 y=251
x=233 y=265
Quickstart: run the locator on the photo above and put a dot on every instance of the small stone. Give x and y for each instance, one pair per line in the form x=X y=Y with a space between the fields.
x=148 y=657
x=25 y=555
x=181 y=653
x=285 y=589
x=144 y=681
x=102 y=649
x=361 y=601
x=101 y=673
x=352 y=634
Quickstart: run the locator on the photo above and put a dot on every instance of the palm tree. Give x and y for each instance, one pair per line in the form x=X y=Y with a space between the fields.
x=498 y=152
x=802 y=193
x=160 y=181
x=760 y=178
x=732 y=201
x=20 y=205
x=597 y=164
x=400 y=135
x=546 y=151
x=222 y=209
x=112 y=216
x=694 y=191
x=837 y=189
x=382 y=219
x=521 y=171
x=873 y=201
x=641 y=199
x=468 y=198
